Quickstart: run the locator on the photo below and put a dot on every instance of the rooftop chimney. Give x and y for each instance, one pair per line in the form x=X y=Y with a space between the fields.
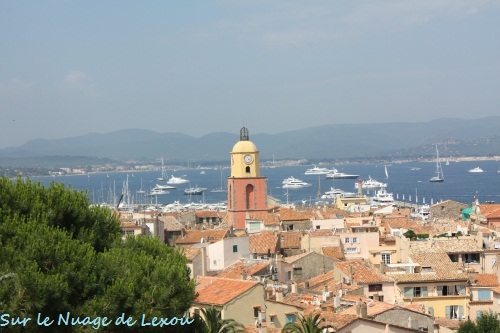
x=279 y=295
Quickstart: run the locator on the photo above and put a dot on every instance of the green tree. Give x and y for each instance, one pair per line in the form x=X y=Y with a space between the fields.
x=488 y=322
x=306 y=324
x=212 y=322
x=63 y=255
x=410 y=234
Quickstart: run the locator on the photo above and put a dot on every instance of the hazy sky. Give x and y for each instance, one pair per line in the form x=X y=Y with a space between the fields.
x=68 y=68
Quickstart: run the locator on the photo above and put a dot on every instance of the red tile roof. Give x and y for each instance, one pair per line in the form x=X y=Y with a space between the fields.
x=251 y=267
x=363 y=272
x=220 y=291
x=334 y=252
x=195 y=236
x=290 y=239
x=264 y=242
x=485 y=280
x=287 y=214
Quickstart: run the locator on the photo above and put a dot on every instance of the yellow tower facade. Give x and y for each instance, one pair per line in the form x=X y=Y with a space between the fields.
x=246 y=188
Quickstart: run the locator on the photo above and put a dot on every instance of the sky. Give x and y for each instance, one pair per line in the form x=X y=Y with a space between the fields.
x=69 y=68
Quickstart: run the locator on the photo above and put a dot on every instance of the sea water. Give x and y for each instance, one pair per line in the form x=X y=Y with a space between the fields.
x=407 y=182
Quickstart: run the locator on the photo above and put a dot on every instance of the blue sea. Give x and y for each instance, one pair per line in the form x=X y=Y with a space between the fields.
x=406 y=183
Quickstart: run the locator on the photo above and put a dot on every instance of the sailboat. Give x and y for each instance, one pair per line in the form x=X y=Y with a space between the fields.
x=220 y=189
x=163 y=172
x=386 y=173
x=439 y=177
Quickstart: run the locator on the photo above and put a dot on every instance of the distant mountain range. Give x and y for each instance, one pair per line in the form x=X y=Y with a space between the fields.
x=456 y=137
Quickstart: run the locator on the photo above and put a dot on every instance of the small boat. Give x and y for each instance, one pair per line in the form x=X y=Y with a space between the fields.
x=177 y=180
x=414 y=169
x=293 y=183
x=317 y=171
x=476 y=170
x=335 y=174
x=370 y=184
x=194 y=190
x=163 y=176
x=383 y=197
x=439 y=177
x=332 y=193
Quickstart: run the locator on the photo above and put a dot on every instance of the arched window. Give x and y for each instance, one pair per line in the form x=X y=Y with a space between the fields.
x=247 y=169
x=250 y=196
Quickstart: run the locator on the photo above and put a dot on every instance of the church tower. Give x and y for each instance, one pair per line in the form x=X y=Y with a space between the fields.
x=246 y=189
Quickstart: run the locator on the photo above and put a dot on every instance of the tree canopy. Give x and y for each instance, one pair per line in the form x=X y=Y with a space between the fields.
x=60 y=254
x=488 y=322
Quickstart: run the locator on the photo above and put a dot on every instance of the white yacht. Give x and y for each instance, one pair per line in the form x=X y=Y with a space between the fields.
x=371 y=184
x=317 y=171
x=194 y=190
x=335 y=174
x=292 y=183
x=476 y=170
x=177 y=180
x=383 y=197
x=332 y=193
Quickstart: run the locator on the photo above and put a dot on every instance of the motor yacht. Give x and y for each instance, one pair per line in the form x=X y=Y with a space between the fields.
x=293 y=183
x=383 y=197
x=317 y=171
x=334 y=174
x=476 y=170
x=177 y=180
x=371 y=184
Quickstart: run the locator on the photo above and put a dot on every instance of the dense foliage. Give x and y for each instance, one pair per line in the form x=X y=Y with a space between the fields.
x=488 y=322
x=58 y=254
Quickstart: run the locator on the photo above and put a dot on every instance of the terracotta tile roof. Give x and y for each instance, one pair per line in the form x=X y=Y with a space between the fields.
x=290 y=239
x=452 y=245
x=334 y=252
x=191 y=252
x=440 y=268
x=301 y=301
x=268 y=219
x=374 y=308
x=296 y=257
x=220 y=291
x=321 y=233
x=287 y=214
x=251 y=267
x=264 y=242
x=208 y=214
x=130 y=225
x=490 y=210
x=321 y=279
x=363 y=271
x=336 y=320
x=496 y=290
x=195 y=236
x=485 y=280
x=329 y=212
x=170 y=223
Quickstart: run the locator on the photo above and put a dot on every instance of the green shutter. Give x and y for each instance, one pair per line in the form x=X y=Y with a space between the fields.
x=440 y=290
x=460 y=311
x=448 y=311
x=408 y=291
x=424 y=291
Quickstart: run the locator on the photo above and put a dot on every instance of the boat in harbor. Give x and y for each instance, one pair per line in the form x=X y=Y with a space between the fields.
x=333 y=193
x=194 y=190
x=163 y=176
x=370 y=184
x=476 y=170
x=439 y=177
x=383 y=197
x=177 y=180
x=294 y=183
x=335 y=174
x=317 y=171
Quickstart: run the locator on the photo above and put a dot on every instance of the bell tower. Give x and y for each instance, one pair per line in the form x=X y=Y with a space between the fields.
x=246 y=189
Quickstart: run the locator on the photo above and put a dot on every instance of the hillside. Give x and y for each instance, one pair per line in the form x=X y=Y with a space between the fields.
x=456 y=137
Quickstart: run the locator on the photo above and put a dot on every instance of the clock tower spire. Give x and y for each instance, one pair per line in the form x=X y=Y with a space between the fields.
x=247 y=190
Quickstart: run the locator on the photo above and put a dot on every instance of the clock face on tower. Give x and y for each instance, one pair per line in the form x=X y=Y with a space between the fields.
x=248 y=159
